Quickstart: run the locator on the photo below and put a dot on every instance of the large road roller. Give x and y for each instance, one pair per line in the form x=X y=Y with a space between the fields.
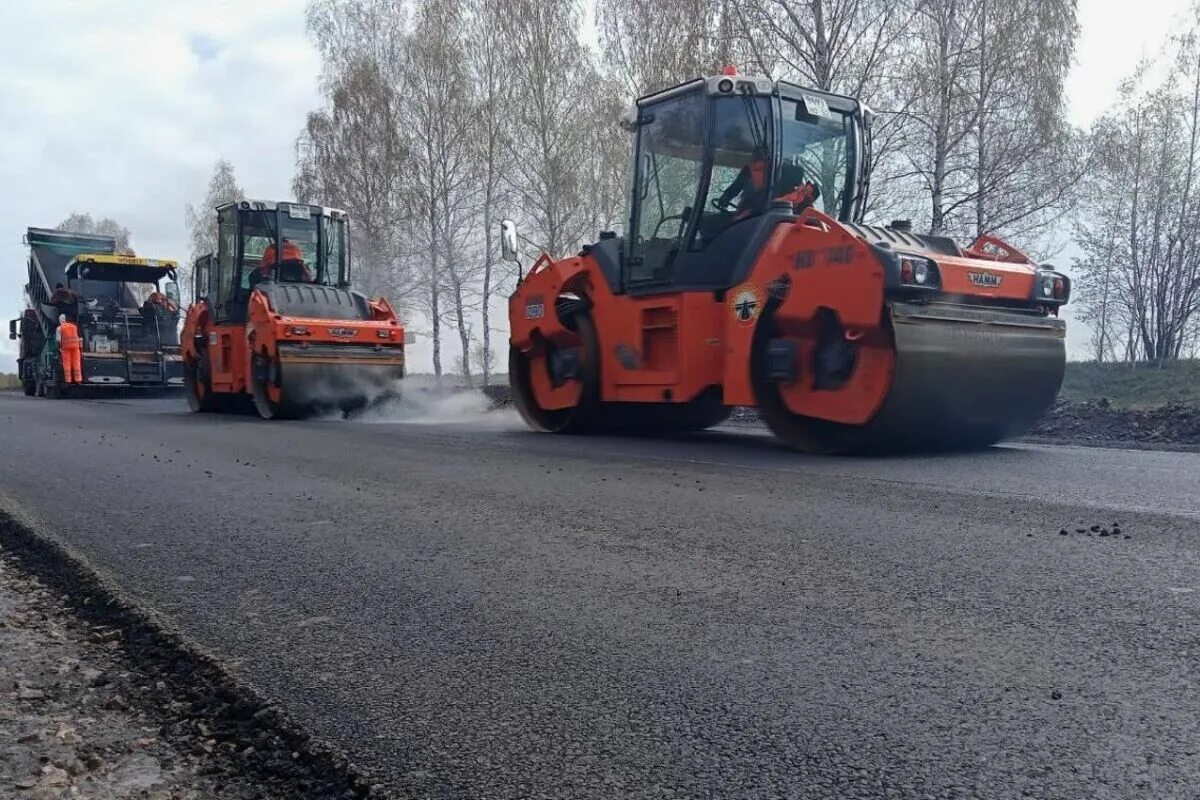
x=746 y=277
x=276 y=326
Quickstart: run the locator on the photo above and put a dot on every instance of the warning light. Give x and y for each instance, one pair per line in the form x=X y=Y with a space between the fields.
x=729 y=69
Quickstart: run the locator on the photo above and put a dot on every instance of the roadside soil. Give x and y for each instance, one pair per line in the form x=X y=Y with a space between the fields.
x=1097 y=423
x=99 y=699
x=70 y=726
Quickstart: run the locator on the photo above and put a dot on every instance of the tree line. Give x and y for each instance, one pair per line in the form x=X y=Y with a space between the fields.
x=440 y=117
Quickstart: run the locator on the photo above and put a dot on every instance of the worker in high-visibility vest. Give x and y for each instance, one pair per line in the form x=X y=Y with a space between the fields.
x=70 y=347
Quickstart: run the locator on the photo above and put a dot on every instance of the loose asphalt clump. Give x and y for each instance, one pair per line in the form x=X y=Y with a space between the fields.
x=1111 y=531
x=189 y=699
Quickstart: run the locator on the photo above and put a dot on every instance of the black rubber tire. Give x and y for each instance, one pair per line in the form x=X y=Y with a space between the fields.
x=29 y=387
x=582 y=418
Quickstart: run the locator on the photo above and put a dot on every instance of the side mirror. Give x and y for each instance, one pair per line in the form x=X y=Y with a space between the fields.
x=12 y=329
x=173 y=293
x=508 y=240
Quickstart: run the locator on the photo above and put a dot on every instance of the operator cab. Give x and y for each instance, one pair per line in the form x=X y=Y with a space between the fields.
x=719 y=163
x=272 y=244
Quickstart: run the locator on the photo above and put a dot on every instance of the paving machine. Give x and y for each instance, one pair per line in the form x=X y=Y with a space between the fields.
x=276 y=325
x=747 y=278
x=129 y=328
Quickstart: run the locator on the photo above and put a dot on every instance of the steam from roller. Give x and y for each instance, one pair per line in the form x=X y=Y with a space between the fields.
x=424 y=401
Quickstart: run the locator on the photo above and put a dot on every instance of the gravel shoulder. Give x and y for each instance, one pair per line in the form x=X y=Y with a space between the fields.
x=71 y=724
x=104 y=700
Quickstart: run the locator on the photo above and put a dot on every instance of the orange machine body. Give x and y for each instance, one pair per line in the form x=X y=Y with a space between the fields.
x=671 y=347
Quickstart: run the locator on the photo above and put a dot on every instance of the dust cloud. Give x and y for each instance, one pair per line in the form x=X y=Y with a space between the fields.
x=423 y=401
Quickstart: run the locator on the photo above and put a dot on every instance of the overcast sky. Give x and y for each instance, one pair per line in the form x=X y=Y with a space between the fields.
x=120 y=107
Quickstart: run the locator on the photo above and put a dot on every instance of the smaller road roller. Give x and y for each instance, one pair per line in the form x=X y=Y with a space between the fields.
x=276 y=326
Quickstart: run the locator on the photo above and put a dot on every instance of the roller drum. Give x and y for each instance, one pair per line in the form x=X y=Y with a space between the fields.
x=968 y=377
x=320 y=379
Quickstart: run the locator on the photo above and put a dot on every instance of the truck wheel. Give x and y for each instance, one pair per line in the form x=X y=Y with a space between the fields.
x=30 y=388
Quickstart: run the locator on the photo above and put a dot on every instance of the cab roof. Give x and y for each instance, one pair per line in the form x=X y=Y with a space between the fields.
x=757 y=86
x=251 y=204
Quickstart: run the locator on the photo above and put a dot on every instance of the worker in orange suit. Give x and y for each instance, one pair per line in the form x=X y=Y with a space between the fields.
x=291 y=252
x=70 y=346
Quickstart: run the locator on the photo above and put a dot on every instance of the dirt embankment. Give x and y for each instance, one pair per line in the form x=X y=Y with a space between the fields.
x=1097 y=422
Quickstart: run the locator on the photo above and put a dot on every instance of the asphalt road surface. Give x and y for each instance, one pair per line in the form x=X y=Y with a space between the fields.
x=474 y=611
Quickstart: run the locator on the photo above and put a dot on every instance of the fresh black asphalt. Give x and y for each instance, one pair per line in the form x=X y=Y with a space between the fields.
x=471 y=610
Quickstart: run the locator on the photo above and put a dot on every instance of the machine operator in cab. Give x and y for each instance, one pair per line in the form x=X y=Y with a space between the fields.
x=292 y=260
x=750 y=187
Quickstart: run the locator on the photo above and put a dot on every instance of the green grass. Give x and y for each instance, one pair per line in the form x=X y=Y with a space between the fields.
x=1133 y=386
x=9 y=382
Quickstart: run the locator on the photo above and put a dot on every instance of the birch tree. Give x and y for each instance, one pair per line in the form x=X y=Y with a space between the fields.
x=201 y=220
x=353 y=153
x=653 y=44
x=1141 y=239
x=547 y=148
x=441 y=117
x=488 y=64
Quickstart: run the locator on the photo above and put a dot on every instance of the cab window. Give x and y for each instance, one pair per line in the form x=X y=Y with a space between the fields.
x=670 y=159
x=741 y=165
x=817 y=148
x=226 y=271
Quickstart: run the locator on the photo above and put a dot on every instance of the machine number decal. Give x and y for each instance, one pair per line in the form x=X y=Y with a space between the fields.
x=746 y=303
x=212 y=338
x=988 y=280
x=345 y=333
x=833 y=256
x=535 y=308
x=299 y=212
